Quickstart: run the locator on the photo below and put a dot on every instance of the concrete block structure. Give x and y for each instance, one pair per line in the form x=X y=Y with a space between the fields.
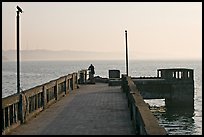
x=114 y=78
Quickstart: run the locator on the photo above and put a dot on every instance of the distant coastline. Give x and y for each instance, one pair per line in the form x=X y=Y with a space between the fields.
x=63 y=55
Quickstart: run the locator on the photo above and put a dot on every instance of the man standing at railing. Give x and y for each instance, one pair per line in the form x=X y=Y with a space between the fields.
x=91 y=74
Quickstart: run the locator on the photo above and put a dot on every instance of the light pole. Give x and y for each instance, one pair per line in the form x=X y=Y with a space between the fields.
x=19 y=10
x=126 y=53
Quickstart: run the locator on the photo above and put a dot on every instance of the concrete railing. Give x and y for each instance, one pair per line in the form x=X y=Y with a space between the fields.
x=144 y=122
x=83 y=76
x=19 y=108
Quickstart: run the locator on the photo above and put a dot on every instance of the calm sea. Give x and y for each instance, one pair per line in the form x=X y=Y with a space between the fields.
x=34 y=73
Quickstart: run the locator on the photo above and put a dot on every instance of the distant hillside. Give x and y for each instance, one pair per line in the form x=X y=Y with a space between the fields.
x=40 y=55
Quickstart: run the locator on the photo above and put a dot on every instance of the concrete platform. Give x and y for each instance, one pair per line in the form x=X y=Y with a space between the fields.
x=96 y=109
x=114 y=82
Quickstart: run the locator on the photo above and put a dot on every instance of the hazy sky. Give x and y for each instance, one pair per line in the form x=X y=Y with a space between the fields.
x=156 y=30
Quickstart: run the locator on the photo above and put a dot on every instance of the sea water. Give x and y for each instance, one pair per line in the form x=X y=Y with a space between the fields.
x=33 y=73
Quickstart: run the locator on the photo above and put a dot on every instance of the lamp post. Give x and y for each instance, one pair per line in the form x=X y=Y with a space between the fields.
x=19 y=10
x=126 y=53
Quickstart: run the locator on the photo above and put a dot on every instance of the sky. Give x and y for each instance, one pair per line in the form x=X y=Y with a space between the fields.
x=156 y=30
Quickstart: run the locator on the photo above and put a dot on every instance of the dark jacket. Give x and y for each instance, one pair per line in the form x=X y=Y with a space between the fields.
x=91 y=67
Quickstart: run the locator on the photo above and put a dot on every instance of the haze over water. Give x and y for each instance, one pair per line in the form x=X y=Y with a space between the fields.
x=156 y=30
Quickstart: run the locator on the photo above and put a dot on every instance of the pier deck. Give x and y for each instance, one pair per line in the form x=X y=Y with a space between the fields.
x=96 y=109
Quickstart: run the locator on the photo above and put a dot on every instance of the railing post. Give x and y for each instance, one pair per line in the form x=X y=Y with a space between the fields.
x=74 y=80
x=3 y=119
x=22 y=107
x=8 y=117
x=67 y=84
x=44 y=97
x=56 y=90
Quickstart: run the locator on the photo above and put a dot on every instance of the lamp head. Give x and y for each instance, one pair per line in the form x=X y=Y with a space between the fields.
x=19 y=9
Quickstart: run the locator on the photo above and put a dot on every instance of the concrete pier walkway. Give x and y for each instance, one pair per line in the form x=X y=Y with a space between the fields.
x=96 y=109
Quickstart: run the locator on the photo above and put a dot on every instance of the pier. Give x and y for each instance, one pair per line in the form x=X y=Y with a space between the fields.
x=71 y=105
x=96 y=109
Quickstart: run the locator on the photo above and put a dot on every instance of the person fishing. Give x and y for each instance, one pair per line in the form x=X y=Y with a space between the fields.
x=91 y=74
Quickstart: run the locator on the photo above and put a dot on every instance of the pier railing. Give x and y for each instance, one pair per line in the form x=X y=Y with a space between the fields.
x=144 y=122
x=19 y=108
